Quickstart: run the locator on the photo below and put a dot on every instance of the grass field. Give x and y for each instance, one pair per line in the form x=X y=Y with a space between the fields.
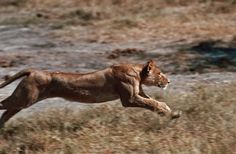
x=206 y=126
x=119 y=20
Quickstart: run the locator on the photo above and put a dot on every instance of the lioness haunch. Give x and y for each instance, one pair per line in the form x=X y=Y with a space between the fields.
x=119 y=81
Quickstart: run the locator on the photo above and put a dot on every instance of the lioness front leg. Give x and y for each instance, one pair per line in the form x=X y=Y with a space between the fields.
x=130 y=97
x=148 y=103
x=154 y=105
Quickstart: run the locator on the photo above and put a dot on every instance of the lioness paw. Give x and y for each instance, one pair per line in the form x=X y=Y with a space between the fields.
x=176 y=114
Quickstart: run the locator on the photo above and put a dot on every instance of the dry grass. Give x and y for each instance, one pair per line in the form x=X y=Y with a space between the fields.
x=206 y=126
x=117 y=20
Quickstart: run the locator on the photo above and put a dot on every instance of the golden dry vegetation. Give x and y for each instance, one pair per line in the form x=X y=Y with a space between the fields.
x=119 y=20
x=206 y=126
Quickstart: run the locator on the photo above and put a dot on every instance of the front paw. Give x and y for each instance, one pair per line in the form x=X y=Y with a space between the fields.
x=176 y=114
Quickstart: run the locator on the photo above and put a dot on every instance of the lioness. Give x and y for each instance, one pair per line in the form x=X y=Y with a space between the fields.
x=119 y=81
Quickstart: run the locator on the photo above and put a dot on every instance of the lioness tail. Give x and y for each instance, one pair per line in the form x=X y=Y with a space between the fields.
x=15 y=77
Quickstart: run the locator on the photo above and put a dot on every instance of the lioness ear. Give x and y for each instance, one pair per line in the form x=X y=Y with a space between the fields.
x=148 y=67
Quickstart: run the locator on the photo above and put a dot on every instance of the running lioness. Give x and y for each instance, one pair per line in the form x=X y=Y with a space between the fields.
x=119 y=81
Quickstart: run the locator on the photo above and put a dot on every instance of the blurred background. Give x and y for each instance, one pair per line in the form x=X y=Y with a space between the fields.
x=193 y=42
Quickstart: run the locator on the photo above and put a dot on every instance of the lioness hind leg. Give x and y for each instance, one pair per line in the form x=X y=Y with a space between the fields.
x=14 y=104
x=4 y=104
x=7 y=115
x=25 y=95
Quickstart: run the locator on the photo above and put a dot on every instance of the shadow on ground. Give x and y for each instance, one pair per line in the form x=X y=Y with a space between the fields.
x=217 y=53
x=200 y=57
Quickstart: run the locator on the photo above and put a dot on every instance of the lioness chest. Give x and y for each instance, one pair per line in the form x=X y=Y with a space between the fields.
x=89 y=88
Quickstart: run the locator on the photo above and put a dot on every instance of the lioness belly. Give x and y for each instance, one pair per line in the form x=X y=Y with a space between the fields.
x=86 y=95
x=90 y=96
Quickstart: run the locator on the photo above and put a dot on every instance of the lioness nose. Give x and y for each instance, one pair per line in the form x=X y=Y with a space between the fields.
x=168 y=81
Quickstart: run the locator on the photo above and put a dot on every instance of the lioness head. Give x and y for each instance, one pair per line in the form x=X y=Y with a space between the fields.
x=152 y=75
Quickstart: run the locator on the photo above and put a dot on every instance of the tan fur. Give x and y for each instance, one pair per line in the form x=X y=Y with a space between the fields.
x=120 y=81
